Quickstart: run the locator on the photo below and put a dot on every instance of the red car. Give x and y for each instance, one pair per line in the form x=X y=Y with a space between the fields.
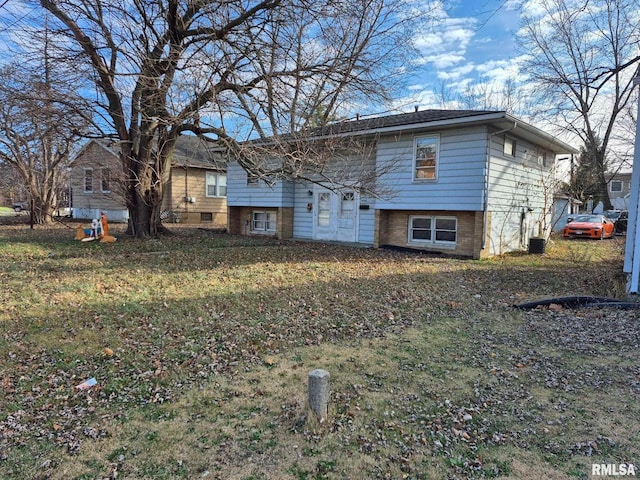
x=589 y=226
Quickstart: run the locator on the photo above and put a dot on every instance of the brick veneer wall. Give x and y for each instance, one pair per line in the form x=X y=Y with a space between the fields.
x=239 y=221
x=392 y=228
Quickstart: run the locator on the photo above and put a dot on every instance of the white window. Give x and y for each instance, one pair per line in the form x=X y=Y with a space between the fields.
x=615 y=186
x=544 y=159
x=324 y=209
x=425 y=158
x=263 y=222
x=216 y=185
x=509 y=147
x=347 y=210
x=433 y=230
x=88 y=180
x=105 y=180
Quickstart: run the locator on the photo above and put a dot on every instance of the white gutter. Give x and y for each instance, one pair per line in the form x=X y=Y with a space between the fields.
x=487 y=179
x=554 y=144
x=483 y=118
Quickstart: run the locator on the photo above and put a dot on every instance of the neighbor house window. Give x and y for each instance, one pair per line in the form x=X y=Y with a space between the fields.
x=105 y=178
x=426 y=158
x=509 y=147
x=88 y=180
x=615 y=186
x=216 y=184
x=433 y=230
x=206 y=217
x=263 y=222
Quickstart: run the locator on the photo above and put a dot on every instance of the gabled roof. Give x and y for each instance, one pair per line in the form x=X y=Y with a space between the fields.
x=190 y=151
x=101 y=142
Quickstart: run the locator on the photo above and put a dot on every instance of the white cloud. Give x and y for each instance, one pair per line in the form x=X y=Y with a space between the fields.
x=457 y=73
x=447 y=43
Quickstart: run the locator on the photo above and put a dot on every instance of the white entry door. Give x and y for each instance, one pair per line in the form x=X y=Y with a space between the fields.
x=335 y=215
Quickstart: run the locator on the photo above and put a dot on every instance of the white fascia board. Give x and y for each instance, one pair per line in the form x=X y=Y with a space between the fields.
x=419 y=126
x=541 y=136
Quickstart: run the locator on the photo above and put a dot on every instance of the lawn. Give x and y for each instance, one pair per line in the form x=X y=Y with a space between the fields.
x=201 y=344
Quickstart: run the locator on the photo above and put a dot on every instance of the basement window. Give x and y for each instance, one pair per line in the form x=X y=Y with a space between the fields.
x=263 y=222
x=433 y=230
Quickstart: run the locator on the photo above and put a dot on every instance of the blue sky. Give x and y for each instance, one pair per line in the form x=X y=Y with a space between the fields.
x=472 y=41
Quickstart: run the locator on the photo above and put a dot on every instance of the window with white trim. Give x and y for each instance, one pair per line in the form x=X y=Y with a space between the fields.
x=105 y=180
x=433 y=230
x=263 y=222
x=216 y=185
x=509 y=146
x=425 y=157
x=615 y=186
x=545 y=159
x=347 y=210
x=88 y=180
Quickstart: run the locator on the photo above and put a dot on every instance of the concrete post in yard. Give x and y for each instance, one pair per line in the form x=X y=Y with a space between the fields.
x=319 y=392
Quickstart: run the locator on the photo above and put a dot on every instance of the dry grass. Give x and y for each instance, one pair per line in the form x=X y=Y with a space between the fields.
x=211 y=337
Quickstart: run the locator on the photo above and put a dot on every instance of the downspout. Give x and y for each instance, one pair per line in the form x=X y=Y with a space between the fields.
x=186 y=191
x=487 y=178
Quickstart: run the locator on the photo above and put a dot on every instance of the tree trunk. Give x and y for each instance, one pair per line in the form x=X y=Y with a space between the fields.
x=144 y=212
x=603 y=187
x=139 y=224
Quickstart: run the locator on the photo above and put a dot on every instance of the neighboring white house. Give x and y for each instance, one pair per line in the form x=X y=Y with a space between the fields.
x=563 y=207
x=466 y=183
x=619 y=186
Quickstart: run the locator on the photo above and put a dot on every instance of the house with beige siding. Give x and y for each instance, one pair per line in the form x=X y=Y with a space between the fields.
x=196 y=192
x=465 y=183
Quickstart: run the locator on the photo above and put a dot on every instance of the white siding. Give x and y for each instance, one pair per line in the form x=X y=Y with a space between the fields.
x=113 y=216
x=460 y=172
x=520 y=196
x=367 y=221
x=302 y=217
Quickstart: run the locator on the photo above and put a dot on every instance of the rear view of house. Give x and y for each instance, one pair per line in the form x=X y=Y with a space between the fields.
x=196 y=191
x=465 y=183
x=95 y=183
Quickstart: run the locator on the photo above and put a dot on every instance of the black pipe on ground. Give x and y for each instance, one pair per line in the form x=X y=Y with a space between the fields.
x=578 y=301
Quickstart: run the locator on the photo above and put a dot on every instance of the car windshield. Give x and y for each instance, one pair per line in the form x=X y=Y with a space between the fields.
x=588 y=218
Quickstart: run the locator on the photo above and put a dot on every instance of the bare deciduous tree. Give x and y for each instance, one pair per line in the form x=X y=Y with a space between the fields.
x=583 y=56
x=229 y=70
x=40 y=122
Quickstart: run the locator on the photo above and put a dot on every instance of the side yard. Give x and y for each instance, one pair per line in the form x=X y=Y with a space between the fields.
x=201 y=343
